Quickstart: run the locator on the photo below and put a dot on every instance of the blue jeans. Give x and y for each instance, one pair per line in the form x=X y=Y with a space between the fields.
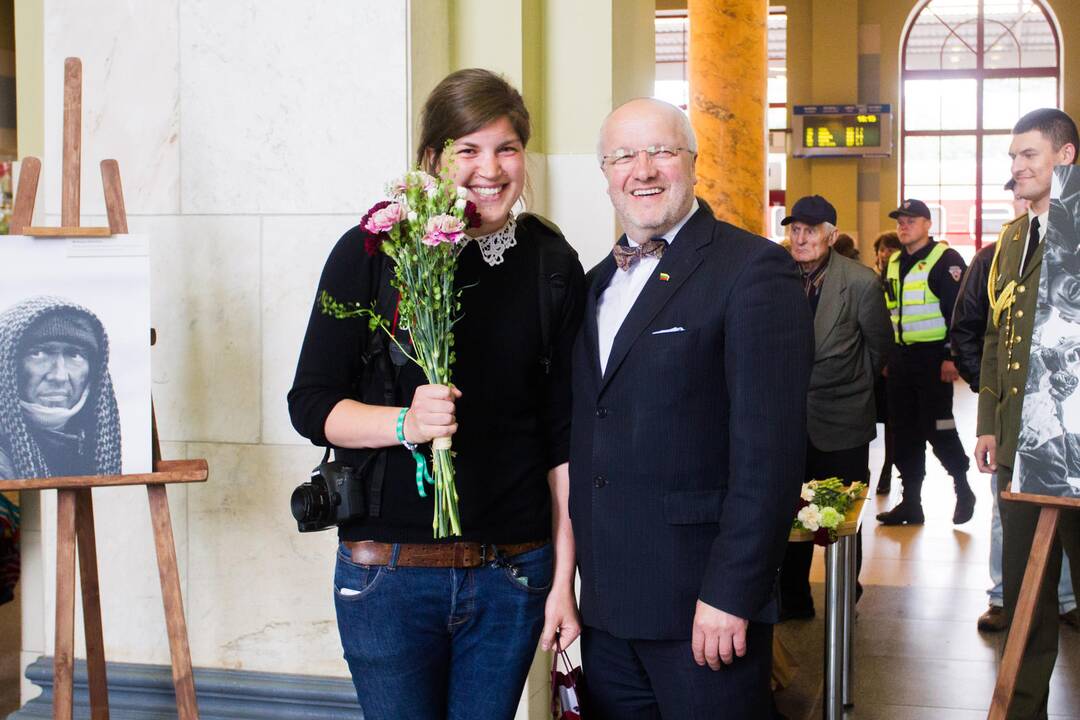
x=1066 y=592
x=437 y=643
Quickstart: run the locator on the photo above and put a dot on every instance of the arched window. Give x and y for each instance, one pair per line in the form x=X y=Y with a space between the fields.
x=970 y=69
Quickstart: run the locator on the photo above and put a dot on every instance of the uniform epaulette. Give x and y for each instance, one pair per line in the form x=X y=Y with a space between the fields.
x=999 y=302
x=1009 y=223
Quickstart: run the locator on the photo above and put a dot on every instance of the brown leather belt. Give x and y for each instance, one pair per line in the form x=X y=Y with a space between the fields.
x=449 y=555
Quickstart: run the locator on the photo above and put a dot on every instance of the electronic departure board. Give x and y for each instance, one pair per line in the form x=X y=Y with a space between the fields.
x=842 y=130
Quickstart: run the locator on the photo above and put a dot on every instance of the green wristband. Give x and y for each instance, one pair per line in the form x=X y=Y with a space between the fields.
x=422 y=474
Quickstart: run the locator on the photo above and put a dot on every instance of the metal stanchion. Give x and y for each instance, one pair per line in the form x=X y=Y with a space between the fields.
x=851 y=543
x=834 y=623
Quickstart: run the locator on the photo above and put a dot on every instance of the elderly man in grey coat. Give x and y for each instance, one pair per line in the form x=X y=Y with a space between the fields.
x=852 y=338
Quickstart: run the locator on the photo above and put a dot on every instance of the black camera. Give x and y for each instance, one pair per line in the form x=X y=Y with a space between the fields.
x=337 y=492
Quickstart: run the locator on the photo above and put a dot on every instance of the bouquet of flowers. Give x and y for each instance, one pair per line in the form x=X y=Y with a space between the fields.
x=823 y=505
x=421 y=228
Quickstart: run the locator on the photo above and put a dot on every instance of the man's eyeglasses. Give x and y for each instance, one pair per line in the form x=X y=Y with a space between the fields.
x=621 y=157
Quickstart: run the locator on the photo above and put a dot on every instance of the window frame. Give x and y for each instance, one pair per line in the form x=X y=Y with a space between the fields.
x=980 y=74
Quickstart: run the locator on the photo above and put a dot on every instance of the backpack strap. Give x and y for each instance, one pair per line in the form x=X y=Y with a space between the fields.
x=553 y=285
x=554 y=282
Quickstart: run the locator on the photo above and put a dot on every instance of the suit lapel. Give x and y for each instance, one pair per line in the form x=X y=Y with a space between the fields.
x=592 y=342
x=831 y=303
x=679 y=261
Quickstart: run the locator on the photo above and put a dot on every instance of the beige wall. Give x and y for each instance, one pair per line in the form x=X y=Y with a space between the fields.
x=29 y=79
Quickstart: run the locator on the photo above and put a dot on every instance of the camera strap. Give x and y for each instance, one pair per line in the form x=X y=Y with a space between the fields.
x=379 y=352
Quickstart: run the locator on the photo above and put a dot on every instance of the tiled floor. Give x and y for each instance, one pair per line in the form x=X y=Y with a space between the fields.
x=918 y=655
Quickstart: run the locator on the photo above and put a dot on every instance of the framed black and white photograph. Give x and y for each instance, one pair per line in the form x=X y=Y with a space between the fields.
x=74 y=356
x=1048 y=453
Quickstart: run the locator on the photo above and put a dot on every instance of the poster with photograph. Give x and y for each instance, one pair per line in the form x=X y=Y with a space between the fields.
x=74 y=356
x=1048 y=452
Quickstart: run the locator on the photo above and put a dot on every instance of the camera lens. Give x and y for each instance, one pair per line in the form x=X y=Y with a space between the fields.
x=309 y=503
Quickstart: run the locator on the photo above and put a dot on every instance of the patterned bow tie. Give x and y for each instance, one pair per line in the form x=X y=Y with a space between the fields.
x=625 y=256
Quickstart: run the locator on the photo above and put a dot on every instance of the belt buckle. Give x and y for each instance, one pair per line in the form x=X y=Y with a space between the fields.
x=483 y=553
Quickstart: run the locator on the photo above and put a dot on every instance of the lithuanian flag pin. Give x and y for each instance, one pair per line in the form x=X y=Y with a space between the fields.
x=664 y=277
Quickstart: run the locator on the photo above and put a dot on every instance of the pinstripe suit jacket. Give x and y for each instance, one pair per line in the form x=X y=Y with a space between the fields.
x=687 y=455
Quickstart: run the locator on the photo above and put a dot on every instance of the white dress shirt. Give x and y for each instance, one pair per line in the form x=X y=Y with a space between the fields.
x=622 y=292
x=1043 y=220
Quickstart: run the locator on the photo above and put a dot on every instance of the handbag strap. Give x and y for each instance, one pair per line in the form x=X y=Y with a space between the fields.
x=560 y=653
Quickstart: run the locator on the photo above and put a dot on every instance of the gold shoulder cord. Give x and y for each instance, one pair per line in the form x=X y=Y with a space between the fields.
x=999 y=303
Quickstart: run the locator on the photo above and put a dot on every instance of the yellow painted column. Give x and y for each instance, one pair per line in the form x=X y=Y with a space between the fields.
x=728 y=76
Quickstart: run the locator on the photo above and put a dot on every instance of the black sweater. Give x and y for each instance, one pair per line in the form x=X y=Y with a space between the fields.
x=969 y=317
x=513 y=420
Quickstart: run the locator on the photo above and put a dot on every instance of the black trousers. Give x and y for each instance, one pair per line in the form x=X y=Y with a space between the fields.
x=920 y=411
x=659 y=680
x=850 y=466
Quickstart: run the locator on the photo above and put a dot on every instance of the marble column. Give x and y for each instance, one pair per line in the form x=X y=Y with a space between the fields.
x=728 y=74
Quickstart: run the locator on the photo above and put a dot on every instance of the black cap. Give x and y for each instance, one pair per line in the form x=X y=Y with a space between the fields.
x=911 y=208
x=812 y=210
x=1010 y=185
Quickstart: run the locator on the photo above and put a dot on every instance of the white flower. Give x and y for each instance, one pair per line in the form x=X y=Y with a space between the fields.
x=396 y=188
x=432 y=191
x=462 y=193
x=807 y=493
x=412 y=216
x=810 y=517
x=460 y=204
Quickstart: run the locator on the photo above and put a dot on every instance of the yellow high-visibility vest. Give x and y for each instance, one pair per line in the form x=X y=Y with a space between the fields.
x=915 y=309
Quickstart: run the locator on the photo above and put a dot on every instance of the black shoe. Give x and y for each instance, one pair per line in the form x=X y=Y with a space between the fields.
x=993 y=620
x=903 y=514
x=965 y=505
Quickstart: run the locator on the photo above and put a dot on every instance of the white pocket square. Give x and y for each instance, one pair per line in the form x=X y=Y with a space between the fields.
x=665 y=331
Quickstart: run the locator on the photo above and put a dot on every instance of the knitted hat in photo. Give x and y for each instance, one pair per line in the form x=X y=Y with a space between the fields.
x=63 y=325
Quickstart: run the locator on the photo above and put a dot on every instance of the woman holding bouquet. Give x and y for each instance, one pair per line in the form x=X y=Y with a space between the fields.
x=448 y=628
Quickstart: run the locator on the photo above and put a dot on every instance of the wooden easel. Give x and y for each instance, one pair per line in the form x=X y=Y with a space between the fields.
x=75 y=509
x=1024 y=614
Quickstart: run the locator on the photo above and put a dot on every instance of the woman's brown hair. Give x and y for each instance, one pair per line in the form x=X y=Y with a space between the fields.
x=464 y=102
x=888 y=239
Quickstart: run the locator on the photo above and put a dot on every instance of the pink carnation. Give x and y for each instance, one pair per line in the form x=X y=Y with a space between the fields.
x=385 y=218
x=444 y=229
x=415 y=178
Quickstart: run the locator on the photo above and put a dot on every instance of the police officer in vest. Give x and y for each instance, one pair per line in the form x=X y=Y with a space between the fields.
x=922 y=281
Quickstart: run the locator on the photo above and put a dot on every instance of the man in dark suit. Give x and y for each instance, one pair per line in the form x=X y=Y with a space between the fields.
x=852 y=337
x=688 y=439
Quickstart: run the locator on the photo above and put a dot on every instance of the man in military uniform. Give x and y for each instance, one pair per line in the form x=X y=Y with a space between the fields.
x=1041 y=140
x=921 y=284
x=966 y=336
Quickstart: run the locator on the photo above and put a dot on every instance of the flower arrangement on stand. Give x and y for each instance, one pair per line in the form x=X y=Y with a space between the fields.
x=823 y=504
x=421 y=228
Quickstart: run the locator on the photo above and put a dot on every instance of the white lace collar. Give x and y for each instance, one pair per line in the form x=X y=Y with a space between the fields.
x=493 y=245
